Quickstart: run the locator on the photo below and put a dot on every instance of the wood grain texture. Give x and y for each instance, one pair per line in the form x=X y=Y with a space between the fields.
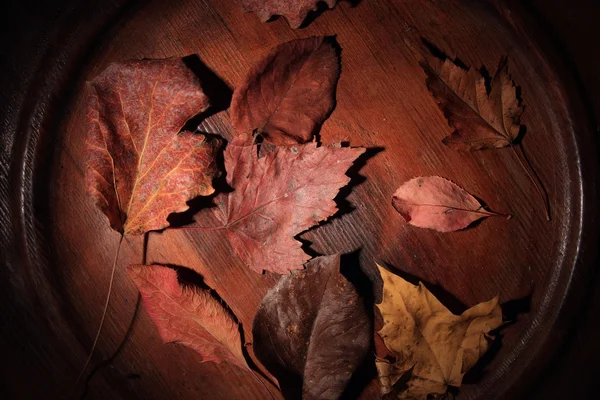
x=62 y=247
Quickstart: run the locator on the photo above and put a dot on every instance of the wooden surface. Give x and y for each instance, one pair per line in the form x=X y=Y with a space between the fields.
x=66 y=249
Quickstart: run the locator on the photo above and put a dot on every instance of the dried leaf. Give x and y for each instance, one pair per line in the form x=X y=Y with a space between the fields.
x=436 y=346
x=277 y=197
x=436 y=203
x=293 y=10
x=139 y=169
x=188 y=315
x=312 y=331
x=481 y=120
x=288 y=94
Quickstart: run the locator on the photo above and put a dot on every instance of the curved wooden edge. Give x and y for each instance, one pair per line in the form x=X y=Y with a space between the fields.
x=50 y=78
x=578 y=283
x=57 y=46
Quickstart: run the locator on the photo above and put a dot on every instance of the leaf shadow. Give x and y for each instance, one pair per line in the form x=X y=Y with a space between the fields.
x=203 y=202
x=450 y=301
x=439 y=54
x=213 y=86
x=306 y=246
x=344 y=206
x=321 y=8
x=187 y=277
x=350 y=267
x=510 y=312
x=478 y=222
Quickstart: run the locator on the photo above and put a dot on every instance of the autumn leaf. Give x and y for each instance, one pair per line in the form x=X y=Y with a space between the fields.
x=312 y=331
x=294 y=11
x=278 y=197
x=288 y=94
x=482 y=119
x=188 y=315
x=140 y=168
x=436 y=203
x=435 y=347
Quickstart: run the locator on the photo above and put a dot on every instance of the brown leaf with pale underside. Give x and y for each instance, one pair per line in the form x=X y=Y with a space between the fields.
x=188 y=315
x=436 y=203
x=481 y=120
x=314 y=325
x=288 y=94
x=278 y=197
x=140 y=168
x=294 y=11
x=430 y=343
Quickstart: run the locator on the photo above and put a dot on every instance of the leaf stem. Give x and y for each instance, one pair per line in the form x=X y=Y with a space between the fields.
x=526 y=165
x=480 y=210
x=252 y=361
x=110 y=286
x=199 y=228
x=262 y=383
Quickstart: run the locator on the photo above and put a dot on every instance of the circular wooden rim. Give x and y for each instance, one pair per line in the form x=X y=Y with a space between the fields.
x=39 y=111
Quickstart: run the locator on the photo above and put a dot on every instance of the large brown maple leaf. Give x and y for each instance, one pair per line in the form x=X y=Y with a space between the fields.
x=277 y=197
x=139 y=167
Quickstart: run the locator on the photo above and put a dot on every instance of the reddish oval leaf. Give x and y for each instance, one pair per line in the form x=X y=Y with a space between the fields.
x=312 y=327
x=436 y=203
x=287 y=95
x=277 y=197
x=188 y=315
x=139 y=169
x=293 y=10
x=481 y=120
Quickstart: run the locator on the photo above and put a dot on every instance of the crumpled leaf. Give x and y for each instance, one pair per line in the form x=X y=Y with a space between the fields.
x=312 y=331
x=188 y=315
x=277 y=197
x=288 y=94
x=139 y=168
x=430 y=343
x=293 y=10
x=436 y=203
x=481 y=120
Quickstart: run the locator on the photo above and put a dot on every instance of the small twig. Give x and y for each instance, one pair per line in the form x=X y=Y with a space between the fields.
x=252 y=361
x=198 y=228
x=112 y=278
x=529 y=170
x=118 y=351
x=480 y=210
x=262 y=383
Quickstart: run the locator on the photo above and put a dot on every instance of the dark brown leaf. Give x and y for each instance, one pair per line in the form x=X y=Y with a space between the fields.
x=312 y=330
x=481 y=120
x=140 y=168
x=293 y=10
x=288 y=94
